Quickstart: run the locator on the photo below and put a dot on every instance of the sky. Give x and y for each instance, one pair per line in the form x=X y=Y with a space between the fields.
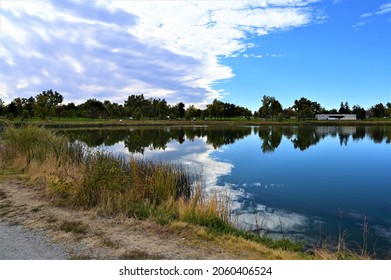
x=329 y=51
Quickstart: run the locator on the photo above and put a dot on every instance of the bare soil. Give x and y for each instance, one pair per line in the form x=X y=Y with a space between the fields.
x=87 y=235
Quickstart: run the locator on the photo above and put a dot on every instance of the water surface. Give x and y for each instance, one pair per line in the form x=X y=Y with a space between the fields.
x=307 y=183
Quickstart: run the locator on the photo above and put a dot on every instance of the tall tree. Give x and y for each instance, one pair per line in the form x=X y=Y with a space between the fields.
x=1 y=107
x=216 y=109
x=360 y=112
x=378 y=110
x=388 y=110
x=275 y=108
x=265 y=110
x=344 y=108
x=94 y=108
x=306 y=108
x=192 y=112
x=46 y=102
x=181 y=109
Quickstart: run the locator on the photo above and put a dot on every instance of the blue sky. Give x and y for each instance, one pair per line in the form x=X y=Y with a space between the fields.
x=194 y=51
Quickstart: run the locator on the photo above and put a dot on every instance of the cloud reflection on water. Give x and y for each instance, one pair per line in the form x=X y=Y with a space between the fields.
x=200 y=158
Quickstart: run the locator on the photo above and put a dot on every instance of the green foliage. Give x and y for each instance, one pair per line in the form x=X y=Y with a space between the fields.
x=25 y=115
x=10 y=116
x=306 y=109
x=46 y=102
x=280 y=117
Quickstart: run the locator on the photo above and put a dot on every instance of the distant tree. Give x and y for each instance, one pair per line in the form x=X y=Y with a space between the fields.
x=10 y=116
x=162 y=109
x=181 y=109
x=2 y=107
x=12 y=109
x=46 y=102
x=114 y=110
x=306 y=108
x=25 y=115
x=333 y=111
x=216 y=109
x=19 y=106
x=265 y=109
x=275 y=108
x=192 y=112
x=29 y=105
x=344 y=108
x=137 y=104
x=94 y=108
x=360 y=112
x=378 y=110
x=289 y=112
x=388 y=110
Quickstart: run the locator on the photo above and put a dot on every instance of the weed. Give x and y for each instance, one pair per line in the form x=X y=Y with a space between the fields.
x=76 y=227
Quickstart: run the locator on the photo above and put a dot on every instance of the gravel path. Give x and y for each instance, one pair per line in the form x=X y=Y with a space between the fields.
x=18 y=244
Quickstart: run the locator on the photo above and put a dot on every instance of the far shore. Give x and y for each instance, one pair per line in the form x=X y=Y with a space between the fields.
x=98 y=123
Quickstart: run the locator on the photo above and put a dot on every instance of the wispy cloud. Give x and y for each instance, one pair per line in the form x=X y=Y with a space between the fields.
x=110 y=49
x=384 y=9
x=358 y=26
x=366 y=15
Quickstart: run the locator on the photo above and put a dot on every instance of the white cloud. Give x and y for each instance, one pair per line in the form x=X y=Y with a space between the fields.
x=118 y=48
x=384 y=9
x=359 y=25
x=366 y=15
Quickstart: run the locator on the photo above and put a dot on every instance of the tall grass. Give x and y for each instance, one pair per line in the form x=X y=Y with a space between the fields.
x=34 y=144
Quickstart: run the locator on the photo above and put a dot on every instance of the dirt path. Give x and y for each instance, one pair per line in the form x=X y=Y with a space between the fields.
x=87 y=235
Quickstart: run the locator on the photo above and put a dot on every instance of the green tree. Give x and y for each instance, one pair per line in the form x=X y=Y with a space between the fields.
x=137 y=104
x=25 y=115
x=344 y=108
x=360 y=112
x=388 y=110
x=94 y=108
x=265 y=110
x=216 y=109
x=11 y=109
x=181 y=109
x=2 y=107
x=275 y=108
x=192 y=112
x=378 y=110
x=46 y=102
x=306 y=108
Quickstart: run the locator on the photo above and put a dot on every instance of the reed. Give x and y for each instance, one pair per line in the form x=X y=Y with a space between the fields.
x=34 y=144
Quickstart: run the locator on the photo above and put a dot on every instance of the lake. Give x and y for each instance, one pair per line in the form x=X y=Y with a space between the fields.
x=308 y=183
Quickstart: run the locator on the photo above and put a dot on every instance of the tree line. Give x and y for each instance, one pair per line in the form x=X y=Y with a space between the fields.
x=49 y=104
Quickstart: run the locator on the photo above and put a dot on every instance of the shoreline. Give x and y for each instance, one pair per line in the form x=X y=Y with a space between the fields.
x=117 y=237
x=74 y=124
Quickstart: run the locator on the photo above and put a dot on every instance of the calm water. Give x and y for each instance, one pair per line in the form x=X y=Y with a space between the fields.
x=301 y=182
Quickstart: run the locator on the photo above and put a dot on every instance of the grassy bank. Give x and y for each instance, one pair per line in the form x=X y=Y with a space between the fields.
x=78 y=178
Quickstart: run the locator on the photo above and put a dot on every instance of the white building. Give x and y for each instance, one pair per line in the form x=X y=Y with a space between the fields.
x=336 y=117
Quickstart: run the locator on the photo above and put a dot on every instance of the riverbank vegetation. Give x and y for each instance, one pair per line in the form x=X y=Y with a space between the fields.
x=78 y=178
x=72 y=176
